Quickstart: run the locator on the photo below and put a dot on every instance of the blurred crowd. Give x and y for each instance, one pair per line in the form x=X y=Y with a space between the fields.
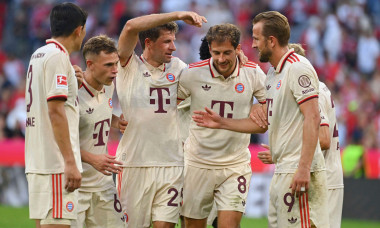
x=341 y=38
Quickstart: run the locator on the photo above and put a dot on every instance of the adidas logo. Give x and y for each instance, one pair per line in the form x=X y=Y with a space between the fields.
x=206 y=87
x=292 y=220
x=90 y=110
x=243 y=202
x=146 y=74
x=268 y=87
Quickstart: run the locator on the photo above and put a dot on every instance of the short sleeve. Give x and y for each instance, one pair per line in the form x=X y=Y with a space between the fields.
x=57 y=73
x=303 y=82
x=259 y=86
x=183 y=90
x=323 y=109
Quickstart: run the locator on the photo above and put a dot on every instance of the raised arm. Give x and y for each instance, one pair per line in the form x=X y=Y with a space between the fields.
x=129 y=35
x=211 y=119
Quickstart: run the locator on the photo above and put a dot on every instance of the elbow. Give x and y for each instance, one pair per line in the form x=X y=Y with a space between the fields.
x=325 y=144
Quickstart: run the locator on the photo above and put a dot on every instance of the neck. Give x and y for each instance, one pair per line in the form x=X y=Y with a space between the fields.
x=91 y=81
x=148 y=57
x=277 y=54
x=67 y=42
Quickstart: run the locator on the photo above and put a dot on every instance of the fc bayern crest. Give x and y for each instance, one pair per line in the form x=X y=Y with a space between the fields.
x=110 y=102
x=170 y=77
x=278 y=85
x=239 y=87
x=70 y=206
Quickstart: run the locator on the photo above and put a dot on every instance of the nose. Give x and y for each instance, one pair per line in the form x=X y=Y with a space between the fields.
x=221 y=58
x=114 y=69
x=254 y=45
x=172 y=46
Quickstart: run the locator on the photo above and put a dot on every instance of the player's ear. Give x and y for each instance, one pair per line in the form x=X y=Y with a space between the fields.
x=78 y=31
x=272 y=41
x=89 y=63
x=238 y=49
x=147 y=42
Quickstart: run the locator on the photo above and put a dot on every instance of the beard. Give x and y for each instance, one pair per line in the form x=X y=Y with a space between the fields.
x=265 y=55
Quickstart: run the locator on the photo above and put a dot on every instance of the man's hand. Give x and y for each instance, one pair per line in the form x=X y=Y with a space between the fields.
x=122 y=124
x=242 y=58
x=79 y=74
x=192 y=18
x=73 y=177
x=208 y=119
x=105 y=164
x=258 y=115
x=300 y=182
x=265 y=156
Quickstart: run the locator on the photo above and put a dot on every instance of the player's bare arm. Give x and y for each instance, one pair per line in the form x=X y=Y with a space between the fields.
x=119 y=122
x=129 y=35
x=324 y=137
x=211 y=119
x=104 y=163
x=259 y=115
x=310 y=111
x=60 y=127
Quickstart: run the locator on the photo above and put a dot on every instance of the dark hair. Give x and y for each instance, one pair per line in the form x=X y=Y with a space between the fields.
x=204 y=50
x=221 y=33
x=274 y=24
x=154 y=33
x=97 y=44
x=65 y=18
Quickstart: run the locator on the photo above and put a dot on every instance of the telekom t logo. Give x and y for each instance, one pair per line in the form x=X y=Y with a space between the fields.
x=160 y=98
x=100 y=134
x=222 y=105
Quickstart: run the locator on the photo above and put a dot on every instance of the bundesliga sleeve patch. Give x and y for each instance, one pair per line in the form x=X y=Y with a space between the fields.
x=304 y=81
x=61 y=81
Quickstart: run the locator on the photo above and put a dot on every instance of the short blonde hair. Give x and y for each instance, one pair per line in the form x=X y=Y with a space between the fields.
x=297 y=49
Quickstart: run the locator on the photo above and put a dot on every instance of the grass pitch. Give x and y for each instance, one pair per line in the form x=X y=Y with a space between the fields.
x=12 y=217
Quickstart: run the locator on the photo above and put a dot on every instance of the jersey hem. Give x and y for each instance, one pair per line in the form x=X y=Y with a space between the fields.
x=214 y=166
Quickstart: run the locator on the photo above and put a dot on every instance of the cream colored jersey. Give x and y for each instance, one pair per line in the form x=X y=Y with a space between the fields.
x=293 y=82
x=333 y=162
x=94 y=128
x=184 y=118
x=148 y=99
x=230 y=98
x=49 y=76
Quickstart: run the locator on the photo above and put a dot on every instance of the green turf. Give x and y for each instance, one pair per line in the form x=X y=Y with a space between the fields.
x=11 y=217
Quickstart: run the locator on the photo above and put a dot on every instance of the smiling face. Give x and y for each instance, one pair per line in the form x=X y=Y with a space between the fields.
x=260 y=42
x=162 y=49
x=103 y=69
x=224 y=56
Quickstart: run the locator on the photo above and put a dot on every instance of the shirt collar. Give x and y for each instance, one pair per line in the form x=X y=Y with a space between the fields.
x=93 y=92
x=215 y=73
x=152 y=68
x=58 y=44
x=281 y=64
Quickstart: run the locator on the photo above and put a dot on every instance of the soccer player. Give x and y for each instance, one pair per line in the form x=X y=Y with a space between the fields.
x=329 y=142
x=217 y=165
x=293 y=123
x=150 y=185
x=98 y=205
x=52 y=154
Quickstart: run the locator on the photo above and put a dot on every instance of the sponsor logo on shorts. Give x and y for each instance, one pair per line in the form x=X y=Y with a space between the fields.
x=292 y=220
x=243 y=203
x=110 y=102
x=308 y=91
x=170 y=77
x=268 y=87
x=61 y=81
x=239 y=87
x=70 y=206
x=278 y=85
x=125 y=217
x=304 y=81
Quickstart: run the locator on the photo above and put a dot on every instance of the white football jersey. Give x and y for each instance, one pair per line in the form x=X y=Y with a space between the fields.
x=94 y=128
x=50 y=76
x=333 y=161
x=148 y=99
x=293 y=82
x=230 y=97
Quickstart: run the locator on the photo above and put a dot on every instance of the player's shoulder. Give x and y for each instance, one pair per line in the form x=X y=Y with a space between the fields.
x=251 y=64
x=200 y=64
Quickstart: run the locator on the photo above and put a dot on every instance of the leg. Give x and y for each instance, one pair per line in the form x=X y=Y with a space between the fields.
x=229 y=219
x=195 y=223
x=161 y=224
x=55 y=226
x=38 y=223
x=182 y=221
